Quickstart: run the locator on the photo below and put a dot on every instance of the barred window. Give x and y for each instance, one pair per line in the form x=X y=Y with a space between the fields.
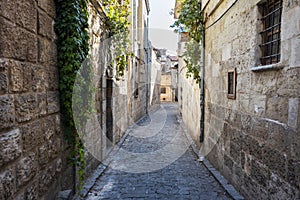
x=271 y=21
x=163 y=90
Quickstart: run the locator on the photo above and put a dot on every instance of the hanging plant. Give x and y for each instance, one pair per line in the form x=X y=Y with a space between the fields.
x=190 y=22
x=72 y=46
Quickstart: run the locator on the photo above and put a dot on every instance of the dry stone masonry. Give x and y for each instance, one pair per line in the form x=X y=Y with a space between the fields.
x=30 y=137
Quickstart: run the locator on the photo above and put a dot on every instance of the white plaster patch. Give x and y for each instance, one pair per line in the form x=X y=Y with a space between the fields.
x=295 y=58
x=226 y=52
x=293 y=112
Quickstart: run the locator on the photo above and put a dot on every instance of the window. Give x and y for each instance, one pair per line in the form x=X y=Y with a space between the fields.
x=271 y=21
x=163 y=90
x=231 y=83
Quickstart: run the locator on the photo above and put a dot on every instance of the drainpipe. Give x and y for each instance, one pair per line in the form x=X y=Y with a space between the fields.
x=202 y=68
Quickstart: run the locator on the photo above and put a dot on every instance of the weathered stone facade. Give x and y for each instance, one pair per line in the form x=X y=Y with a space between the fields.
x=252 y=140
x=188 y=95
x=154 y=98
x=31 y=143
x=33 y=163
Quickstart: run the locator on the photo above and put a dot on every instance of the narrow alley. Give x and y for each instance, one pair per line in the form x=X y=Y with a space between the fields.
x=149 y=99
x=185 y=178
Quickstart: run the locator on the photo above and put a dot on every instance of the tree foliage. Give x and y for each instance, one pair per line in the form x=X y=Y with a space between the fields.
x=190 y=22
x=118 y=25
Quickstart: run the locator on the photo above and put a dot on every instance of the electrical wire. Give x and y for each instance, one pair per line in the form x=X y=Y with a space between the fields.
x=222 y=15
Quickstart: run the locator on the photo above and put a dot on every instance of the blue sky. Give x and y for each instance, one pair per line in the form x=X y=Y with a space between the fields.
x=161 y=35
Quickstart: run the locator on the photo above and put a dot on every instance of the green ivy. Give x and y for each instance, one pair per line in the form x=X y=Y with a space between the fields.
x=72 y=44
x=190 y=22
x=118 y=26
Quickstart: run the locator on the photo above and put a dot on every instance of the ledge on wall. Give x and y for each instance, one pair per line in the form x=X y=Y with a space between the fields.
x=276 y=66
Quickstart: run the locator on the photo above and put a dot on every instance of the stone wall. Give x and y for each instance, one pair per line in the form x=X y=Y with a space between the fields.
x=154 y=99
x=254 y=139
x=188 y=96
x=166 y=83
x=30 y=135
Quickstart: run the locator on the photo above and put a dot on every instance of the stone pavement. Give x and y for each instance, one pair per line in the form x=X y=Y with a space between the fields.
x=156 y=162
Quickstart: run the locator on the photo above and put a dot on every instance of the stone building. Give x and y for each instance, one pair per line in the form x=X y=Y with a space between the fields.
x=155 y=80
x=169 y=79
x=33 y=162
x=252 y=69
x=168 y=83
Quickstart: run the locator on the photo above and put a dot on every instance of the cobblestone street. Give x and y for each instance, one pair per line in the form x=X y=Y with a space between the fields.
x=158 y=174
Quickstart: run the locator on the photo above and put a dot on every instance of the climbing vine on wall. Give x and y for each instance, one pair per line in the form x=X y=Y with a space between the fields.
x=118 y=24
x=190 y=22
x=72 y=44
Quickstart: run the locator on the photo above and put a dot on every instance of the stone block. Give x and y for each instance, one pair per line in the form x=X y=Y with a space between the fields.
x=46 y=25
x=54 y=148
x=52 y=102
x=3 y=76
x=26 y=14
x=14 y=42
x=293 y=112
x=277 y=137
x=45 y=180
x=43 y=155
x=277 y=108
x=7 y=9
x=258 y=104
x=293 y=82
x=42 y=104
x=226 y=52
x=20 y=76
x=22 y=12
x=16 y=77
x=235 y=152
x=279 y=189
x=39 y=77
x=295 y=59
x=31 y=135
x=27 y=76
x=228 y=162
x=48 y=6
x=259 y=173
x=7 y=184
x=275 y=161
x=293 y=175
x=47 y=51
x=31 y=192
x=246 y=123
x=26 y=107
x=53 y=79
x=290 y=30
x=49 y=127
x=260 y=128
x=254 y=147
x=10 y=146
x=7 y=117
x=58 y=165
x=26 y=169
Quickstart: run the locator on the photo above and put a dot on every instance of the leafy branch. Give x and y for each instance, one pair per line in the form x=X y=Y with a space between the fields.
x=190 y=22
x=118 y=25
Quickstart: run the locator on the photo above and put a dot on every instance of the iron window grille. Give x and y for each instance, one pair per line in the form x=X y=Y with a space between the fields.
x=163 y=90
x=231 y=84
x=271 y=21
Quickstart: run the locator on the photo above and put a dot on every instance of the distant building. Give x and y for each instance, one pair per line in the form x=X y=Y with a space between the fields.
x=169 y=79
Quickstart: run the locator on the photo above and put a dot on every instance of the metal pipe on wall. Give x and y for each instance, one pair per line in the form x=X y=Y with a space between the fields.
x=202 y=68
